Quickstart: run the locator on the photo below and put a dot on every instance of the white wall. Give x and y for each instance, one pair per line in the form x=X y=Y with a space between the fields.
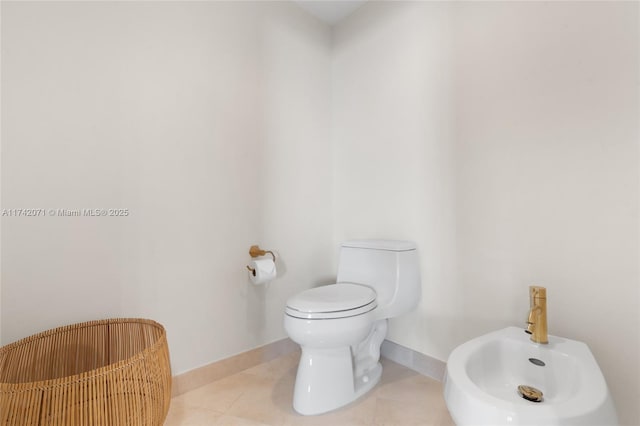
x=182 y=113
x=393 y=149
x=547 y=182
x=0 y=176
x=503 y=137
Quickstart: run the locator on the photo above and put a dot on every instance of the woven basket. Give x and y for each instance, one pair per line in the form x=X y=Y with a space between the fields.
x=108 y=372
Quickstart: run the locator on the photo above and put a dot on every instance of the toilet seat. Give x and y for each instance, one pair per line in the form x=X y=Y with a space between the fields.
x=333 y=301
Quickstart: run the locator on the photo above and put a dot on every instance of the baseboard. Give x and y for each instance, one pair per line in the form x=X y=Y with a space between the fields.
x=423 y=364
x=201 y=376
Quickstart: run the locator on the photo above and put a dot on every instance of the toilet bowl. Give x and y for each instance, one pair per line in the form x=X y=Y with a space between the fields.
x=341 y=326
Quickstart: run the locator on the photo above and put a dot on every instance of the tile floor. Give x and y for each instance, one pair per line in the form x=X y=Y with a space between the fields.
x=262 y=395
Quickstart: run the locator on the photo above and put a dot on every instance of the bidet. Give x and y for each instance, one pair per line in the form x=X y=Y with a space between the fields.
x=503 y=378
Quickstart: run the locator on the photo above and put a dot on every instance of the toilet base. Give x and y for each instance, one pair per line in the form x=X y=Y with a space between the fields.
x=325 y=380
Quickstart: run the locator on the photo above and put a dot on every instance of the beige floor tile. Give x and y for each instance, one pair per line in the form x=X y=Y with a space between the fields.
x=181 y=415
x=395 y=413
x=415 y=389
x=226 y=420
x=444 y=418
x=259 y=410
x=221 y=394
x=275 y=369
x=267 y=400
x=263 y=395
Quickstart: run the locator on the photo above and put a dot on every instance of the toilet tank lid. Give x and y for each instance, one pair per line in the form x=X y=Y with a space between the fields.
x=389 y=245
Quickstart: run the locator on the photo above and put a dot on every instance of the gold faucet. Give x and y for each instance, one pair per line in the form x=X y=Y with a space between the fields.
x=537 y=322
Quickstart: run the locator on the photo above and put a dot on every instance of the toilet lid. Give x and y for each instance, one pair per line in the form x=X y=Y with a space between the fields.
x=332 y=301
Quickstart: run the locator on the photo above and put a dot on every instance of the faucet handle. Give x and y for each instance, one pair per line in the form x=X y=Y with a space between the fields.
x=536 y=292
x=537 y=321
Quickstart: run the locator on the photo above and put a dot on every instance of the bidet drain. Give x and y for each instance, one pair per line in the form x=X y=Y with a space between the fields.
x=530 y=393
x=537 y=362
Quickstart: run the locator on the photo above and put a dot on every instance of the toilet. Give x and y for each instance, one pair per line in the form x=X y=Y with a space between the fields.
x=341 y=326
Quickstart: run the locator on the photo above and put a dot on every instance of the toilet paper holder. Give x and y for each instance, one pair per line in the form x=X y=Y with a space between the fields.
x=256 y=251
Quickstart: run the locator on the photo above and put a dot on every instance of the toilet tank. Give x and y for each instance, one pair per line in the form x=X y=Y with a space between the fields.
x=390 y=267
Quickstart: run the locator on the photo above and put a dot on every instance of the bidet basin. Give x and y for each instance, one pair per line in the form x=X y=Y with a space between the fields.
x=483 y=376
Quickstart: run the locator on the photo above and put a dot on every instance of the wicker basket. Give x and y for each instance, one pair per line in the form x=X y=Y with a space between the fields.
x=108 y=372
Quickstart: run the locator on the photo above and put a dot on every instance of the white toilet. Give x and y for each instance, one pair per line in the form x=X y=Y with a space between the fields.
x=340 y=327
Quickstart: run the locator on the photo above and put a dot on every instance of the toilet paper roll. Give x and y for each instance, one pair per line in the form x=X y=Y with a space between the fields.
x=264 y=270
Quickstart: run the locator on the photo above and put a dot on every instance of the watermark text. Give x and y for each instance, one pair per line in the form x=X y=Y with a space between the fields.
x=62 y=212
